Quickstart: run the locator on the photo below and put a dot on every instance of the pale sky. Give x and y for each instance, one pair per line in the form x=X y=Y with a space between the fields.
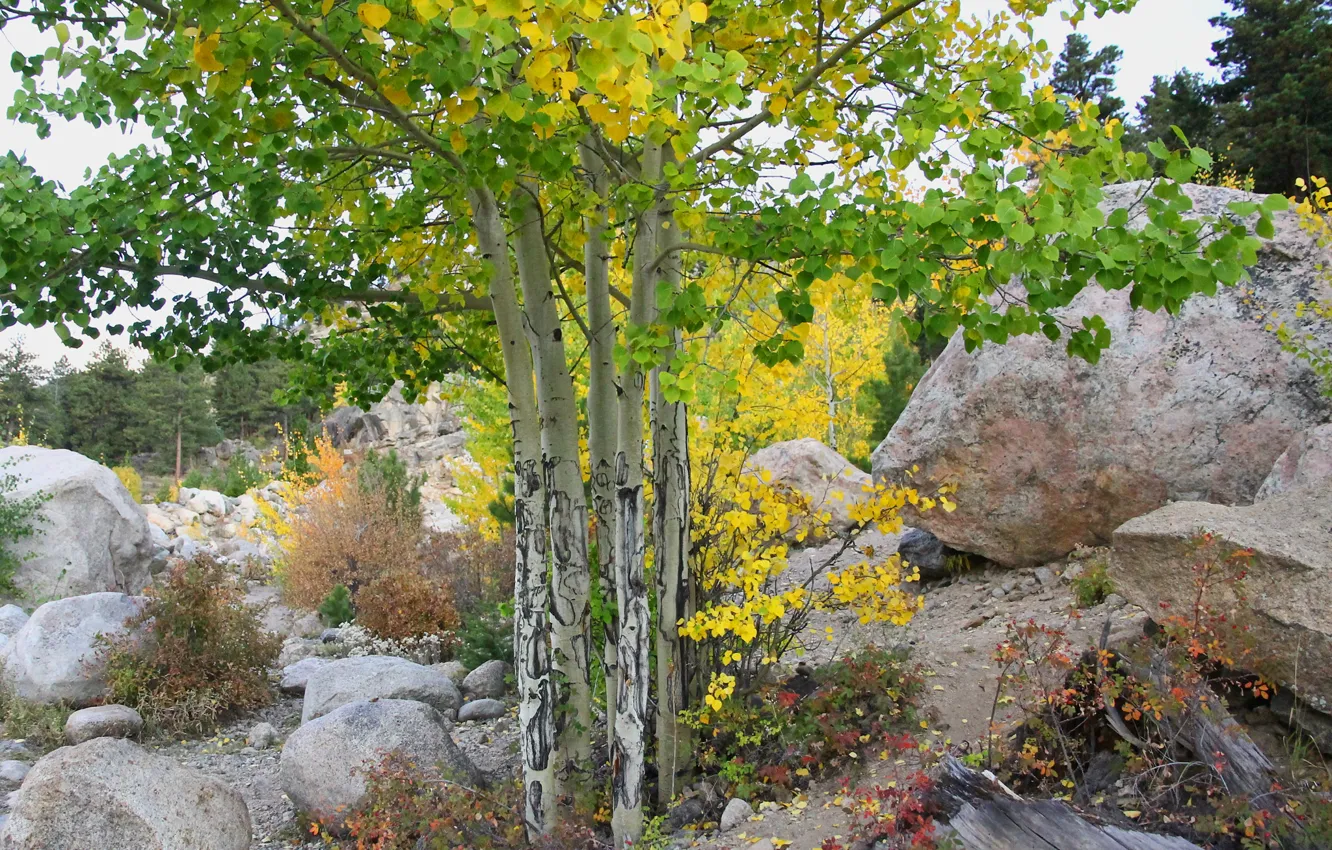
x=1157 y=37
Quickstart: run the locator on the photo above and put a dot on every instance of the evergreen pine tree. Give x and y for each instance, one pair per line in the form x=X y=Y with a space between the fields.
x=1089 y=77
x=1276 y=84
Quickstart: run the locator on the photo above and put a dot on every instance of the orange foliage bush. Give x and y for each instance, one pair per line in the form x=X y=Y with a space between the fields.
x=403 y=604
x=477 y=569
x=345 y=535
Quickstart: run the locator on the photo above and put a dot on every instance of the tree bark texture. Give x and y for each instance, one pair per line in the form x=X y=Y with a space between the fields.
x=570 y=583
x=536 y=712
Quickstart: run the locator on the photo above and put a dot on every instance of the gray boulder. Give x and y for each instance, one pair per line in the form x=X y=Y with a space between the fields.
x=91 y=536
x=53 y=658
x=829 y=481
x=376 y=677
x=1288 y=581
x=486 y=681
x=111 y=794
x=1306 y=462
x=1049 y=452
x=925 y=552
x=296 y=676
x=12 y=619
x=481 y=709
x=455 y=670
x=102 y=721
x=735 y=814
x=324 y=762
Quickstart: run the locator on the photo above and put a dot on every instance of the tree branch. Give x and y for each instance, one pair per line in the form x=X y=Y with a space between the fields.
x=807 y=81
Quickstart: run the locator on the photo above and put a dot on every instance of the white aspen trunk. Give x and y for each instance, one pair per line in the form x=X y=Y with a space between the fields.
x=570 y=581
x=627 y=757
x=670 y=538
x=601 y=421
x=531 y=624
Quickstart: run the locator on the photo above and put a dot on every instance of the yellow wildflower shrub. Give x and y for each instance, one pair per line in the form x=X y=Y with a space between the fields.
x=133 y=482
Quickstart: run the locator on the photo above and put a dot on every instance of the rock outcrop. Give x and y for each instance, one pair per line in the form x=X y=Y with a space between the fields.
x=1287 y=588
x=324 y=762
x=53 y=657
x=108 y=794
x=91 y=535
x=830 y=482
x=1049 y=451
x=376 y=677
x=1306 y=462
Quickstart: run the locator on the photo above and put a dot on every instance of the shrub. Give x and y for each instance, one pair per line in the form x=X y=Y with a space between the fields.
x=194 y=479
x=336 y=609
x=1093 y=585
x=133 y=482
x=41 y=725
x=478 y=569
x=344 y=535
x=205 y=656
x=166 y=491
x=388 y=475
x=412 y=807
x=485 y=636
x=785 y=734
x=401 y=604
x=236 y=478
x=18 y=523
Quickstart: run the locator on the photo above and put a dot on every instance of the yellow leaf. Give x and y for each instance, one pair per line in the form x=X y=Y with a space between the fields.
x=428 y=10
x=326 y=7
x=62 y=32
x=463 y=18
x=777 y=105
x=372 y=36
x=373 y=15
x=397 y=96
x=203 y=54
x=698 y=12
x=504 y=8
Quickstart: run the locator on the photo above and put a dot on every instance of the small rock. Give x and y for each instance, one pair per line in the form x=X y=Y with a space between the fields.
x=330 y=636
x=689 y=810
x=369 y=677
x=481 y=709
x=102 y=721
x=486 y=680
x=262 y=736
x=12 y=619
x=735 y=814
x=998 y=593
x=1045 y=575
x=12 y=773
x=1114 y=602
x=1008 y=586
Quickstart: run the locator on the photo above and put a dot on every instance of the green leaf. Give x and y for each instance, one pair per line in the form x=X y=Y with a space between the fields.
x=1275 y=203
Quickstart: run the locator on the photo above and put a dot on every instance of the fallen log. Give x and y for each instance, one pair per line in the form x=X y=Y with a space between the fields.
x=979 y=813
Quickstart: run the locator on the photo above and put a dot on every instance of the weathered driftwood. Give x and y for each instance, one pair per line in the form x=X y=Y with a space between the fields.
x=980 y=814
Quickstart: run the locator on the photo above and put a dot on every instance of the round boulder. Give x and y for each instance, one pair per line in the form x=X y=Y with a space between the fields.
x=296 y=676
x=376 y=677
x=486 y=681
x=90 y=535
x=324 y=762
x=102 y=721
x=110 y=793
x=53 y=658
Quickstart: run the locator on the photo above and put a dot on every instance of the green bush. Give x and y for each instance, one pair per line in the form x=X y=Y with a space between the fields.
x=485 y=636
x=206 y=656
x=194 y=479
x=43 y=726
x=18 y=523
x=336 y=609
x=1093 y=585
x=236 y=478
